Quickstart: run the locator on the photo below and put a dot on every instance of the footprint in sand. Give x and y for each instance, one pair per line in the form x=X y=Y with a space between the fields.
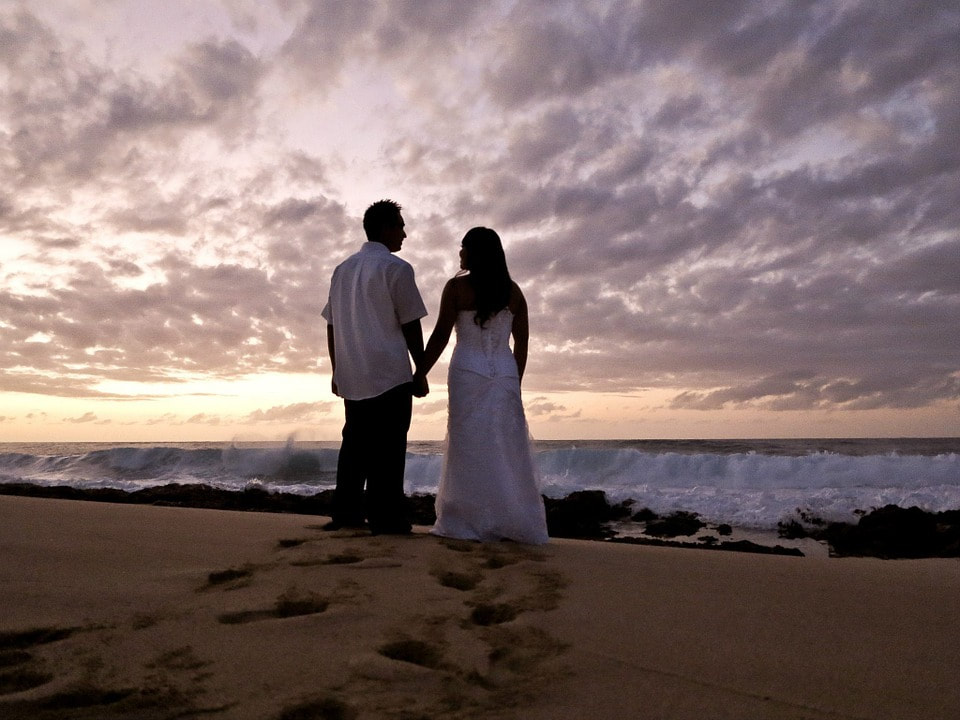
x=463 y=581
x=181 y=658
x=230 y=579
x=20 y=669
x=481 y=640
x=324 y=708
x=501 y=584
x=484 y=557
x=285 y=543
x=413 y=651
x=292 y=603
x=21 y=672
x=372 y=554
x=342 y=557
x=544 y=595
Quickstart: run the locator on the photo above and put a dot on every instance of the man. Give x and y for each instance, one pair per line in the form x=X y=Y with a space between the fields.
x=373 y=329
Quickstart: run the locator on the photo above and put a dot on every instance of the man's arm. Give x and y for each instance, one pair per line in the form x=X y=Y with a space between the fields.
x=332 y=350
x=413 y=334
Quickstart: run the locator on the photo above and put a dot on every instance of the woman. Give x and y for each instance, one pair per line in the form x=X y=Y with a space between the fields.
x=488 y=490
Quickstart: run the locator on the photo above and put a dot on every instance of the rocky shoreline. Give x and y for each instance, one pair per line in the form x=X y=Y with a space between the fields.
x=888 y=532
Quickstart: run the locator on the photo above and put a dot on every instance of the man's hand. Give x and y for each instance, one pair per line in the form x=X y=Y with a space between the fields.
x=333 y=386
x=420 y=386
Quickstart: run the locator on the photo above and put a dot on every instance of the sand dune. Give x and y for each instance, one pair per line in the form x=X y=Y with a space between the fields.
x=113 y=611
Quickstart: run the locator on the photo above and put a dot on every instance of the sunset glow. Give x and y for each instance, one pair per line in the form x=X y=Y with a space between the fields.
x=730 y=219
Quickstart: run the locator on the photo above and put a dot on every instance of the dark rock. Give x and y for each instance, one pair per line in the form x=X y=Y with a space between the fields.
x=752 y=547
x=421 y=509
x=622 y=510
x=895 y=532
x=644 y=515
x=804 y=525
x=738 y=546
x=581 y=514
x=887 y=532
x=674 y=524
x=791 y=530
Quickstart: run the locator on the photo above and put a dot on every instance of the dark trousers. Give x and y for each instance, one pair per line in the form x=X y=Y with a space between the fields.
x=373 y=452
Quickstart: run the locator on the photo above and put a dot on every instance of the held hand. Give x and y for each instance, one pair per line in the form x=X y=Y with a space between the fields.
x=334 y=388
x=420 y=386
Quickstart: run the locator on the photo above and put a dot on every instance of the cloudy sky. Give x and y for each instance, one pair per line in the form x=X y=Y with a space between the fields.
x=730 y=219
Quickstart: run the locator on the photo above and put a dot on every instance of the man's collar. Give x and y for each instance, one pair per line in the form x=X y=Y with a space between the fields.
x=374 y=246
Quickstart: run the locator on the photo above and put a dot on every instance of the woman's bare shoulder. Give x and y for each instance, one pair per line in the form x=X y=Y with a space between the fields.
x=462 y=291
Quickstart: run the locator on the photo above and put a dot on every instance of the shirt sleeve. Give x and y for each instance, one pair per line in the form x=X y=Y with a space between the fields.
x=406 y=297
x=326 y=314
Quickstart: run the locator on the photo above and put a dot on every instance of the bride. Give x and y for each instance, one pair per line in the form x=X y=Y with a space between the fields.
x=488 y=489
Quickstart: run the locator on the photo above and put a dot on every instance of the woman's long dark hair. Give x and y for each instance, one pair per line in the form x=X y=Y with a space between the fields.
x=489 y=276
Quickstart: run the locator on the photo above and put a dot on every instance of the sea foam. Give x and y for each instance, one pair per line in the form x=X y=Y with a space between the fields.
x=729 y=483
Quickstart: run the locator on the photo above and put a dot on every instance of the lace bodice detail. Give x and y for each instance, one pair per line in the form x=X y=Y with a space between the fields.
x=485 y=351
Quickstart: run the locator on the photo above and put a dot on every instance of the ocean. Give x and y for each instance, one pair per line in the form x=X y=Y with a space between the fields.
x=745 y=483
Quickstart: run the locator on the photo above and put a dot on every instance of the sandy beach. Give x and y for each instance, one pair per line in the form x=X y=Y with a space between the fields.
x=130 y=611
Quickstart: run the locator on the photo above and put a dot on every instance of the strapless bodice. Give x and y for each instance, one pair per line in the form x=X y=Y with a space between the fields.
x=484 y=350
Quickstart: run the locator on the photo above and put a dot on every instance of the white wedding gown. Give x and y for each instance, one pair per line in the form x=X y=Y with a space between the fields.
x=489 y=489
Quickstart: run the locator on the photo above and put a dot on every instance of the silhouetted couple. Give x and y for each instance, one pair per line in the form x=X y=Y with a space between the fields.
x=488 y=489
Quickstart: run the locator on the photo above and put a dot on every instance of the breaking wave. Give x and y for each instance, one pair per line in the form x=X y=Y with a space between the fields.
x=732 y=483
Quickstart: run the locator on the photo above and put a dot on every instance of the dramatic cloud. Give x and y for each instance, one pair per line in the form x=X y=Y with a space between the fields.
x=743 y=204
x=298 y=412
x=86 y=418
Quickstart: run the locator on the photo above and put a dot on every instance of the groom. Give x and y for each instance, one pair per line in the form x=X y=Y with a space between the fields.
x=373 y=329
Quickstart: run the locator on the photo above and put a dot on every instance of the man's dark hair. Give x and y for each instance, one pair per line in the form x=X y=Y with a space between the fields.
x=379 y=216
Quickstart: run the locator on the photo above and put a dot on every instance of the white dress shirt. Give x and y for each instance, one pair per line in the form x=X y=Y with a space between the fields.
x=372 y=293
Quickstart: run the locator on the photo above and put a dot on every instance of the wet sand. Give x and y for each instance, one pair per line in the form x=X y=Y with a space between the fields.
x=131 y=611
